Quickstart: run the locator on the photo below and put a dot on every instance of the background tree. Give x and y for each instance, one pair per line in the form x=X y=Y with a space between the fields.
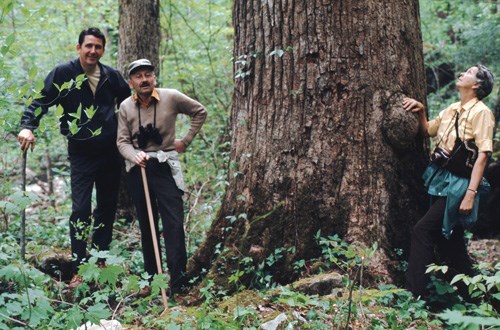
x=139 y=32
x=139 y=37
x=320 y=141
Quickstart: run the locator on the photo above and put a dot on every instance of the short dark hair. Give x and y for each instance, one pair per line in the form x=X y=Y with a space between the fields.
x=92 y=31
x=485 y=80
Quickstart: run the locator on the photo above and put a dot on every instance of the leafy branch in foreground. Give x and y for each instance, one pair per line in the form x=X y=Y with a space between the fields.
x=75 y=120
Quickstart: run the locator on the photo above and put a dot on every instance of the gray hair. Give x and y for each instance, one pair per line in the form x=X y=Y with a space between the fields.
x=485 y=80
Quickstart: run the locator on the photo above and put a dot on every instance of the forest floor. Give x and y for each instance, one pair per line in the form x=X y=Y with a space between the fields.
x=331 y=303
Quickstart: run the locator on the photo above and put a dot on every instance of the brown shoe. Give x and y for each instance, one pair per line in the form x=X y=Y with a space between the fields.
x=101 y=264
x=75 y=282
x=144 y=292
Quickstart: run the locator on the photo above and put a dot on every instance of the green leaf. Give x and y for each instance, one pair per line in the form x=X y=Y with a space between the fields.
x=59 y=88
x=96 y=132
x=23 y=90
x=74 y=115
x=312 y=314
x=8 y=207
x=159 y=282
x=89 y=272
x=59 y=111
x=98 y=255
x=455 y=317
x=40 y=312
x=476 y=279
x=66 y=85
x=73 y=127
x=79 y=112
x=7 y=6
x=75 y=317
x=26 y=12
x=132 y=283
x=110 y=274
x=90 y=112
x=33 y=72
x=97 y=312
x=15 y=308
x=457 y=278
x=443 y=288
x=240 y=312
x=9 y=272
x=35 y=293
x=39 y=85
x=8 y=43
x=79 y=80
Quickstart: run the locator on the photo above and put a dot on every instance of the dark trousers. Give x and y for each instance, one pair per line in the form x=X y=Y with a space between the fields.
x=104 y=173
x=426 y=235
x=166 y=199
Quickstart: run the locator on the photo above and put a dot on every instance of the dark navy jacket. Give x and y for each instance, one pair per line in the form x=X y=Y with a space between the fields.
x=111 y=91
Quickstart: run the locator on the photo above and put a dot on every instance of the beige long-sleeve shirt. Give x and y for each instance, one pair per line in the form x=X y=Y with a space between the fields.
x=170 y=103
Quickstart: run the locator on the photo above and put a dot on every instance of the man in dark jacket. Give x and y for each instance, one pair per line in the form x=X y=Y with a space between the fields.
x=91 y=93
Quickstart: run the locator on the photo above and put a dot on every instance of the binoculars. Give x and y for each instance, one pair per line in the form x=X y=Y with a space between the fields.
x=147 y=134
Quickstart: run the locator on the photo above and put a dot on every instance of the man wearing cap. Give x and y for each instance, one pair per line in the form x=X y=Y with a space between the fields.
x=146 y=138
x=94 y=158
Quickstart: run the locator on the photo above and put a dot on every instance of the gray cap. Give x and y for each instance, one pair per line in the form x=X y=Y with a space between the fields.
x=139 y=64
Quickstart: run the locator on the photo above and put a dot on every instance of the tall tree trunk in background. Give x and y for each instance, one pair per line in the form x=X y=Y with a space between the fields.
x=320 y=140
x=139 y=29
x=139 y=32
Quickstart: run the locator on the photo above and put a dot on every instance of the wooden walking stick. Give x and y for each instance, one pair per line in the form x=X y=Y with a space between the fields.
x=153 y=232
x=23 y=213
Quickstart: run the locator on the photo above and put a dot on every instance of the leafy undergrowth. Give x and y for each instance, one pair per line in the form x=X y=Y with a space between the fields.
x=31 y=299
x=282 y=308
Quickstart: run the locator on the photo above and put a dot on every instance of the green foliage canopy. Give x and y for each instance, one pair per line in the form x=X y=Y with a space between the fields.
x=461 y=34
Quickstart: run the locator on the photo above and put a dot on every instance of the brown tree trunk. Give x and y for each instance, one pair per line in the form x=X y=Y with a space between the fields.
x=320 y=140
x=139 y=30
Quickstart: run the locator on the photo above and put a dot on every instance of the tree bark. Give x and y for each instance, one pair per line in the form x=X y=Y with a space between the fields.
x=139 y=30
x=320 y=140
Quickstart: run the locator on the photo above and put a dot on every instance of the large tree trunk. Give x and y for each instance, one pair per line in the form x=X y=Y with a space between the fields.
x=320 y=140
x=139 y=37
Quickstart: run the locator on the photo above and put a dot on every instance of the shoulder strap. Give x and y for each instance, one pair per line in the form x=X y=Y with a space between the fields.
x=456 y=126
